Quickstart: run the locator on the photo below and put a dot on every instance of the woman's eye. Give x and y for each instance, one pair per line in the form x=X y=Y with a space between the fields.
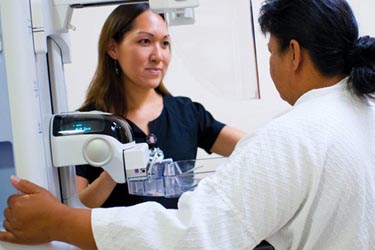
x=144 y=41
x=165 y=43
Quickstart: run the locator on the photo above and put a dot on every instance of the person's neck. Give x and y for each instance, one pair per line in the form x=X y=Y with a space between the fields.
x=315 y=80
x=143 y=107
x=138 y=99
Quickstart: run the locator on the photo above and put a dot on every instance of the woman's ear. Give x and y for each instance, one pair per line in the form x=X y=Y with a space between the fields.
x=296 y=51
x=112 y=49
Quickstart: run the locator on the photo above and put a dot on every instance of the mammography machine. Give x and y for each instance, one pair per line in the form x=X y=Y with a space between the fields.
x=34 y=46
x=106 y=141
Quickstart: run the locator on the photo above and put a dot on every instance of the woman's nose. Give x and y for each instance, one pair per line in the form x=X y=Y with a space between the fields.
x=156 y=54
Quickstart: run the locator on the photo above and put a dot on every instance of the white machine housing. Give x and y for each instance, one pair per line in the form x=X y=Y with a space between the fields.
x=100 y=140
x=104 y=140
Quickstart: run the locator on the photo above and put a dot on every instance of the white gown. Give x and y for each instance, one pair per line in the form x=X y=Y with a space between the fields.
x=304 y=181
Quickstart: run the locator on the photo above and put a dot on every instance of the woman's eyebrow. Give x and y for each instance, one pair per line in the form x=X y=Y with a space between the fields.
x=150 y=34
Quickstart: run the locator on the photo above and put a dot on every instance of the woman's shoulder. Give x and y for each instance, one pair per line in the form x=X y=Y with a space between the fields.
x=177 y=100
x=182 y=104
x=181 y=100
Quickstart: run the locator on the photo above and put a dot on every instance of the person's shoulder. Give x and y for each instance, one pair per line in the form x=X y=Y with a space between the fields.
x=301 y=121
x=178 y=100
x=181 y=103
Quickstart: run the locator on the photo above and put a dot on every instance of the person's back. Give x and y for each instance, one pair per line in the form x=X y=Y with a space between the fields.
x=330 y=137
x=346 y=191
x=318 y=160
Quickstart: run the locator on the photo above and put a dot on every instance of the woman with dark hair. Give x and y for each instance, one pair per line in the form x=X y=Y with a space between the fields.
x=330 y=36
x=304 y=181
x=133 y=56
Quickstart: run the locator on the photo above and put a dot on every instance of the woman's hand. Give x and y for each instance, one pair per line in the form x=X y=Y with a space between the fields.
x=35 y=216
x=31 y=216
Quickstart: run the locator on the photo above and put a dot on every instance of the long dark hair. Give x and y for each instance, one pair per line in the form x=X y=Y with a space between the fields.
x=328 y=30
x=106 y=91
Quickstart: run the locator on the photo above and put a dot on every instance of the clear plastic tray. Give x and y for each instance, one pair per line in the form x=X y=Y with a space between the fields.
x=171 y=179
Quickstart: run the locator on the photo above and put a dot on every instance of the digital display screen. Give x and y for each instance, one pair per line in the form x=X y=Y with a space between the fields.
x=83 y=123
x=82 y=127
x=73 y=126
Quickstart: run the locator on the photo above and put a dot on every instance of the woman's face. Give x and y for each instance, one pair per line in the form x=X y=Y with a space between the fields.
x=279 y=68
x=144 y=52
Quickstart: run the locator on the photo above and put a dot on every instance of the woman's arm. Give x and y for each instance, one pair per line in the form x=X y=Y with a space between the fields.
x=227 y=140
x=36 y=217
x=95 y=194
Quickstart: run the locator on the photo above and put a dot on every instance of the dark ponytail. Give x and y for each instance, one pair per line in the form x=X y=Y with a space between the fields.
x=361 y=60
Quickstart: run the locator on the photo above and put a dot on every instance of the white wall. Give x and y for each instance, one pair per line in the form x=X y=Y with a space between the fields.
x=232 y=108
